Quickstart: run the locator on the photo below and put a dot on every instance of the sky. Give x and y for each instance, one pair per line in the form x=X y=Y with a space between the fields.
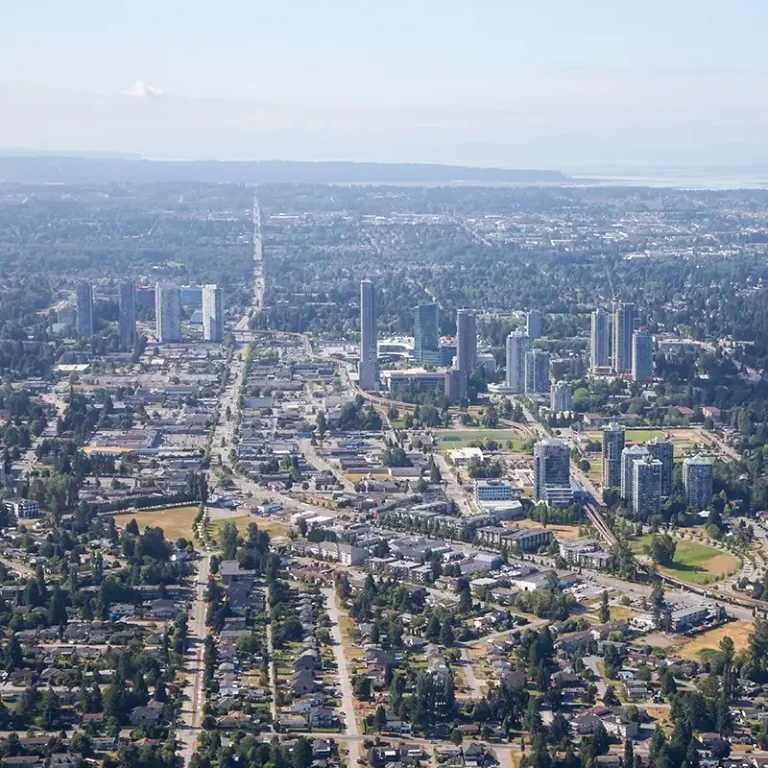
x=577 y=85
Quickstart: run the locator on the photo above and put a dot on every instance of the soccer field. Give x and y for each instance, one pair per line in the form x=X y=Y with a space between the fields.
x=461 y=438
x=694 y=562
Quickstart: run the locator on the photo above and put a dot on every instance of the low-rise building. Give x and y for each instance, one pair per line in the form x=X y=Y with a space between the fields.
x=24 y=509
x=493 y=490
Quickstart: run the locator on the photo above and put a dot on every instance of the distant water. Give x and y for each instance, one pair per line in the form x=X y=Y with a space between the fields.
x=674 y=179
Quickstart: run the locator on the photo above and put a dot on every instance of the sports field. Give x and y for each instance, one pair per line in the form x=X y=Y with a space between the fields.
x=175 y=522
x=694 y=562
x=631 y=435
x=699 y=646
x=461 y=438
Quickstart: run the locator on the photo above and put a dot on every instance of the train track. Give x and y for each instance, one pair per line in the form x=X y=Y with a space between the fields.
x=602 y=528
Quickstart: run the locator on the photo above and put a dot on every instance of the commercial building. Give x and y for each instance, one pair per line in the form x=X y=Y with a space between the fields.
x=629 y=456
x=426 y=334
x=584 y=552
x=24 y=509
x=493 y=490
x=520 y=539
x=552 y=473
x=642 y=356
x=646 y=487
x=600 y=340
x=126 y=295
x=213 y=314
x=167 y=313
x=466 y=341
x=84 y=309
x=623 y=328
x=416 y=377
x=368 y=368
x=533 y=324
x=664 y=451
x=518 y=346
x=536 y=371
x=613 y=445
x=697 y=480
x=455 y=386
x=561 y=396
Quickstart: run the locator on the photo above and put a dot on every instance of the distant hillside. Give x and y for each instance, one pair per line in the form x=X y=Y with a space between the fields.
x=27 y=169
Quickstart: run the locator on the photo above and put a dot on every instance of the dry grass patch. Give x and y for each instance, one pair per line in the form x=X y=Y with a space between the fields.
x=619 y=612
x=559 y=531
x=175 y=522
x=738 y=631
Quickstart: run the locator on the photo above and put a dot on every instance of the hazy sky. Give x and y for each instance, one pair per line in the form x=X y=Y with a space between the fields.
x=569 y=84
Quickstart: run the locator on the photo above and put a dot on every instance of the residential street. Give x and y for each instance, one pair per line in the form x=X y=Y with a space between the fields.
x=469 y=673
x=343 y=673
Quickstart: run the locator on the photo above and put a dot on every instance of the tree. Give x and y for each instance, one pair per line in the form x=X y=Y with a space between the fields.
x=380 y=719
x=446 y=633
x=363 y=688
x=668 y=684
x=229 y=541
x=57 y=610
x=481 y=711
x=302 y=753
x=629 y=753
x=559 y=732
x=662 y=549
x=132 y=527
x=605 y=611
x=610 y=699
x=15 y=654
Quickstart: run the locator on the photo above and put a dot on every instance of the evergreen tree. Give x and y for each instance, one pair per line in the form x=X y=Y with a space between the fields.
x=605 y=611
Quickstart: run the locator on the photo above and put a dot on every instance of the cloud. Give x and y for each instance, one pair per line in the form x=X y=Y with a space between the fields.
x=143 y=91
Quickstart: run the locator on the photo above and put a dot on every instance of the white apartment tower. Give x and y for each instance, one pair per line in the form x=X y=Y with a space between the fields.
x=168 y=313
x=518 y=345
x=213 y=314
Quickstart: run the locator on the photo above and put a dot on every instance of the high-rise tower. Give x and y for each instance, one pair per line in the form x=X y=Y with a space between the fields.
x=613 y=445
x=84 y=309
x=168 y=313
x=600 y=340
x=533 y=324
x=126 y=296
x=426 y=333
x=368 y=368
x=623 y=328
x=213 y=314
x=518 y=344
x=466 y=341
x=642 y=356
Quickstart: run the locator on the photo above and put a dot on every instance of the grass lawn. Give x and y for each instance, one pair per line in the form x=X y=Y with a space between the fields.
x=694 y=562
x=461 y=438
x=175 y=522
x=273 y=527
x=697 y=647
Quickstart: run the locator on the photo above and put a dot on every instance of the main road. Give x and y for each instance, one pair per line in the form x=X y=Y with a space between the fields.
x=193 y=691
